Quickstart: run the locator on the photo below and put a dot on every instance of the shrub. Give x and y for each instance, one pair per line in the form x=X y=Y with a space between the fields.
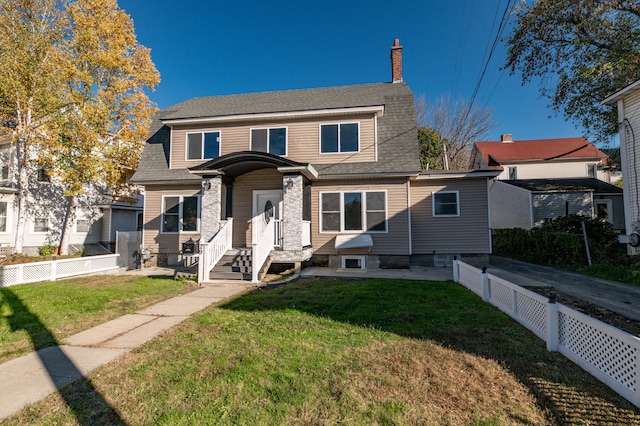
x=47 y=250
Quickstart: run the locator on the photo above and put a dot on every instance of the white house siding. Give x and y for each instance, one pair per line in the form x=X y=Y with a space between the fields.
x=550 y=169
x=510 y=206
x=303 y=139
x=393 y=242
x=468 y=233
x=552 y=205
x=630 y=135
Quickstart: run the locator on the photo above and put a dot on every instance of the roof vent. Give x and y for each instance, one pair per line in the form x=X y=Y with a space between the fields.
x=506 y=138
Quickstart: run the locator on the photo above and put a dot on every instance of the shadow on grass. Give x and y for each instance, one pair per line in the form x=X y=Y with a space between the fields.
x=452 y=316
x=87 y=404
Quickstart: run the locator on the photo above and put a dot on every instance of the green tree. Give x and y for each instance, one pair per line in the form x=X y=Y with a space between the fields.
x=31 y=90
x=580 y=51
x=432 y=149
x=103 y=128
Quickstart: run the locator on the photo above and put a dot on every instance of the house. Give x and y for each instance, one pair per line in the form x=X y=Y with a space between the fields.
x=326 y=175
x=96 y=224
x=627 y=101
x=531 y=201
x=541 y=158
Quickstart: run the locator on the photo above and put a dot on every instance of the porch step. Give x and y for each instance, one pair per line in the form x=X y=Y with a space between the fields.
x=234 y=265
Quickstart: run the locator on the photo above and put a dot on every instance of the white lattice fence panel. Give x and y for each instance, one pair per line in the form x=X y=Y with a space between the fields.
x=71 y=267
x=9 y=276
x=471 y=278
x=605 y=350
x=501 y=295
x=532 y=309
x=34 y=272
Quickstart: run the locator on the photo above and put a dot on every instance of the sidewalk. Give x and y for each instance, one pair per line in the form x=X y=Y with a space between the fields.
x=36 y=375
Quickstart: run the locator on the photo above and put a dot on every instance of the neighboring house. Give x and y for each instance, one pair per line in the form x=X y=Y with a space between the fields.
x=541 y=158
x=527 y=203
x=335 y=171
x=96 y=225
x=627 y=101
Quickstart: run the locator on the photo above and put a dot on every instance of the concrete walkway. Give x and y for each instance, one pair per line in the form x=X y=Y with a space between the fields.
x=36 y=375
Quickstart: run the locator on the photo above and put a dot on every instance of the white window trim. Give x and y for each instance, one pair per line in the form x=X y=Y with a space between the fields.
x=33 y=225
x=515 y=170
x=362 y=259
x=8 y=217
x=339 y=145
x=364 y=212
x=609 y=203
x=595 y=169
x=433 y=203
x=89 y=227
x=180 y=214
x=286 y=138
x=186 y=145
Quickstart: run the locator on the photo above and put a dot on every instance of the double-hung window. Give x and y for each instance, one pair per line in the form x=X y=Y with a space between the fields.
x=353 y=211
x=180 y=214
x=446 y=203
x=4 y=172
x=338 y=138
x=3 y=217
x=203 y=145
x=272 y=140
x=83 y=225
x=41 y=224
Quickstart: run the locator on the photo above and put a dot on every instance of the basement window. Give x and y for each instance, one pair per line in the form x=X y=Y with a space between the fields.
x=353 y=262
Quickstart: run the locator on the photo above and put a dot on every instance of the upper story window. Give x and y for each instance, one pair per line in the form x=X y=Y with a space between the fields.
x=592 y=170
x=353 y=211
x=203 y=145
x=446 y=203
x=338 y=138
x=3 y=216
x=4 y=172
x=513 y=173
x=180 y=214
x=272 y=140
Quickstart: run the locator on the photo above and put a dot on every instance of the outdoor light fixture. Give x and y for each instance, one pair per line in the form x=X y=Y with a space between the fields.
x=290 y=184
x=206 y=185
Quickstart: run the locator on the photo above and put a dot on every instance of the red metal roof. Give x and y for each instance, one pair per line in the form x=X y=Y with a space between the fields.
x=538 y=149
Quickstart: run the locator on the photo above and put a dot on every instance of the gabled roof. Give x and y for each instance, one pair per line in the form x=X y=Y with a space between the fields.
x=565 y=185
x=397 y=136
x=620 y=94
x=538 y=150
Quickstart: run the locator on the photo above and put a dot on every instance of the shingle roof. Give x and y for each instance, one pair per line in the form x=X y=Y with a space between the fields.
x=398 y=150
x=538 y=149
x=568 y=184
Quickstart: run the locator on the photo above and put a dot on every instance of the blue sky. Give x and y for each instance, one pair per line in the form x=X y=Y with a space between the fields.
x=204 y=48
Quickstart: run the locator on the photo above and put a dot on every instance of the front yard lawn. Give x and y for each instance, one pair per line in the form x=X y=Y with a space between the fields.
x=357 y=352
x=42 y=314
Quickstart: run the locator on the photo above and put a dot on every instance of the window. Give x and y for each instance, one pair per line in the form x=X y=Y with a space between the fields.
x=513 y=173
x=353 y=211
x=446 y=203
x=337 y=138
x=3 y=217
x=592 y=170
x=82 y=225
x=273 y=141
x=353 y=262
x=41 y=224
x=4 y=172
x=180 y=214
x=203 y=146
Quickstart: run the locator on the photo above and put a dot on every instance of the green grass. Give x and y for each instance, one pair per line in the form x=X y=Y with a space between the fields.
x=357 y=352
x=34 y=316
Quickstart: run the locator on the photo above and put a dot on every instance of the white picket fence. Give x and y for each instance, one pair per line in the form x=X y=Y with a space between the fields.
x=54 y=269
x=607 y=353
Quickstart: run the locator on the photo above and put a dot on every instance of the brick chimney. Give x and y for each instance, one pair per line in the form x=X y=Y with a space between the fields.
x=396 y=61
x=506 y=137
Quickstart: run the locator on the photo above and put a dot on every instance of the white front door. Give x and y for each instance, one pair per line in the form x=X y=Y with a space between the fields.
x=267 y=206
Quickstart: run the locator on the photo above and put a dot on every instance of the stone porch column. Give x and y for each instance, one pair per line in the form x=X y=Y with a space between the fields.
x=210 y=207
x=292 y=197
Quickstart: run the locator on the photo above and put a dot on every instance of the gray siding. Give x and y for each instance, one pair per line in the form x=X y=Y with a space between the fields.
x=468 y=233
x=551 y=205
x=510 y=206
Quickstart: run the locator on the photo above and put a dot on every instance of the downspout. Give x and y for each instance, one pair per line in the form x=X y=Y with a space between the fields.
x=626 y=181
x=409 y=216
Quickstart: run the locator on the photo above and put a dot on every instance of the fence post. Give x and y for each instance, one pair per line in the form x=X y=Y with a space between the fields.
x=54 y=269
x=486 y=296
x=456 y=270
x=552 y=323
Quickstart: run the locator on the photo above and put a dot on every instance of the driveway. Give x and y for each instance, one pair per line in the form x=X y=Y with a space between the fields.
x=621 y=298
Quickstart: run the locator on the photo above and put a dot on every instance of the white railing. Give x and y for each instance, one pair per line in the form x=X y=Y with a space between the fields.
x=212 y=251
x=261 y=249
x=607 y=353
x=277 y=233
x=306 y=233
x=54 y=269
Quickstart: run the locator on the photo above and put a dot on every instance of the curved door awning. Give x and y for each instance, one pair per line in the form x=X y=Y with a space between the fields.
x=239 y=163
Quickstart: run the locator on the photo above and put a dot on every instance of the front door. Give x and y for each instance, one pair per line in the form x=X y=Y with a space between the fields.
x=267 y=207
